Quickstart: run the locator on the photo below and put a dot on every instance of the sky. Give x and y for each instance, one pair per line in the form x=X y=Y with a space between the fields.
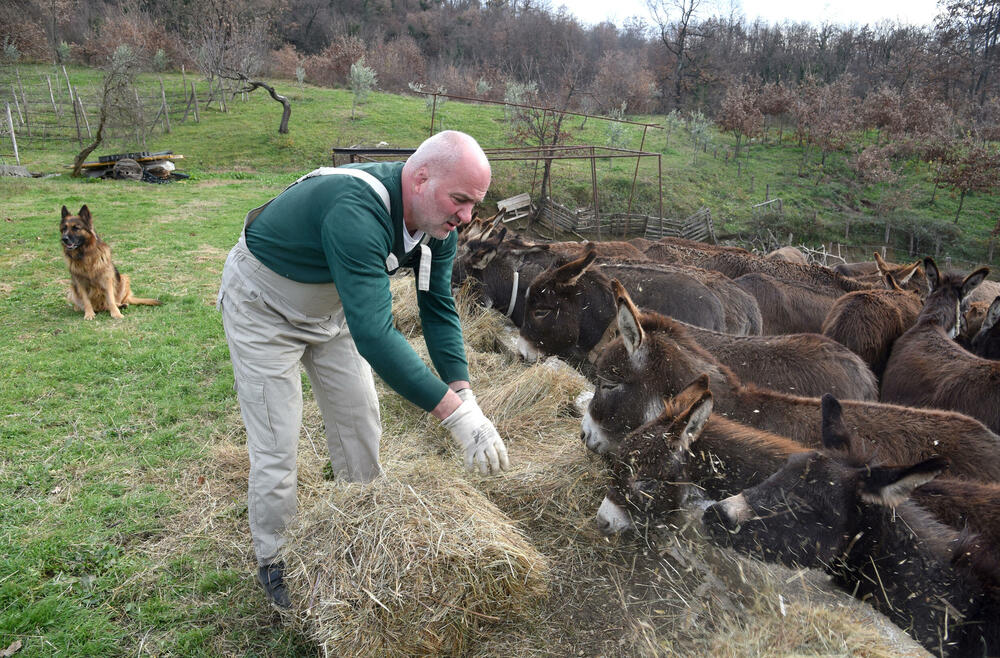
x=917 y=12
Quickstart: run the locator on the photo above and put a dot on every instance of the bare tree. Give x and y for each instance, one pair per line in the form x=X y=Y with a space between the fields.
x=972 y=30
x=117 y=102
x=676 y=34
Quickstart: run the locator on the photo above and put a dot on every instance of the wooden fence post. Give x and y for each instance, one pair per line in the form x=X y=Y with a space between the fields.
x=166 y=119
x=24 y=101
x=76 y=115
x=17 y=105
x=83 y=111
x=194 y=95
x=13 y=138
x=55 y=109
x=68 y=85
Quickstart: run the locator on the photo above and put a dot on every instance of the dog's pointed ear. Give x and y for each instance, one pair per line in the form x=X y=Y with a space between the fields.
x=65 y=212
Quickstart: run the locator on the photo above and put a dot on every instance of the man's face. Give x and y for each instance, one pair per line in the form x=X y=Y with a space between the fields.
x=443 y=201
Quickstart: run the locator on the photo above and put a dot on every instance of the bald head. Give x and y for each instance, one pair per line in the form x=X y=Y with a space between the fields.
x=442 y=182
x=447 y=151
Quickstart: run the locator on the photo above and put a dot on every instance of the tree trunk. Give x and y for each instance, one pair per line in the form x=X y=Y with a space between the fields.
x=82 y=156
x=283 y=127
x=961 y=200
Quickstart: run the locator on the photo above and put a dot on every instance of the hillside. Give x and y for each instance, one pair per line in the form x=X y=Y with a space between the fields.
x=821 y=200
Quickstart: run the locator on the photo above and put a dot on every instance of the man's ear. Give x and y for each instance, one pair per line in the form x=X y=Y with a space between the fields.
x=420 y=178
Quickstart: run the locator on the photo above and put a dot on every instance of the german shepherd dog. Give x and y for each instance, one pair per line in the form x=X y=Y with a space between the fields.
x=97 y=284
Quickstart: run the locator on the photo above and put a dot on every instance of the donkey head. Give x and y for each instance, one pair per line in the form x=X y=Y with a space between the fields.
x=986 y=343
x=648 y=473
x=808 y=512
x=652 y=359
x=948 y=297
x=552 y=309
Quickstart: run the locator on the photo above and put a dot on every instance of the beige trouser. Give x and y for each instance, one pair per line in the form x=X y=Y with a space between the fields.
x=272 y=324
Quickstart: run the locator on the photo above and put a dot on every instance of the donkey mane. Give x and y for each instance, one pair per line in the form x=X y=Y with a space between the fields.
x=657 y=323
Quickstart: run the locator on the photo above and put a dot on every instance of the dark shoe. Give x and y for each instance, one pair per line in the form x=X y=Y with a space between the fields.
x=272 y=579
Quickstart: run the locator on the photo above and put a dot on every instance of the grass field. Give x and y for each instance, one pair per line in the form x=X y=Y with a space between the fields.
x=122 y=510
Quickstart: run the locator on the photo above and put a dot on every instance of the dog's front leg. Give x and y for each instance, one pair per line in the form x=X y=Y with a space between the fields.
x=111 y=296
x=83 y=299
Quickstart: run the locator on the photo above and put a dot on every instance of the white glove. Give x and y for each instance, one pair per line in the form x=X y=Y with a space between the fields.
x=466 y=394
x=477 y=436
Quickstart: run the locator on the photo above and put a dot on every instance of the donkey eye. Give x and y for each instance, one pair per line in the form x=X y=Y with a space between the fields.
x=609 y=386
x=645 y=487
x=541 y=313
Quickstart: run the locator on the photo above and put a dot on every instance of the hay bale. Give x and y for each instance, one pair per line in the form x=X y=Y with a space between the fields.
x=417 y=562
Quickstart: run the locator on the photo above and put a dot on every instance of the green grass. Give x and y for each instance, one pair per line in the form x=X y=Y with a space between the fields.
x=108 y=427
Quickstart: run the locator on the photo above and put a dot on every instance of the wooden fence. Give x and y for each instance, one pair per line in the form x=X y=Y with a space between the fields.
x=51 y=106
x=561 y=219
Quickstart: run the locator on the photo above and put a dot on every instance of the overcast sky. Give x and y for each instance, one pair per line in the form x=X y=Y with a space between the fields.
x=917 y=12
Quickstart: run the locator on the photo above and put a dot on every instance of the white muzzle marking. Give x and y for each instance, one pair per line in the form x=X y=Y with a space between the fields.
x=736 y=508
x=612 y=519
x=527 y=351
x=595 y=438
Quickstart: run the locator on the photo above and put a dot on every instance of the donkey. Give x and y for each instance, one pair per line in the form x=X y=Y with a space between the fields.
x=870 y=321
x=909 y=276
x=789 y=307
x=789 y=254
x=958 y=503
x=928 y=369
x=644 y=365
x=805 y=364
x=851 y=518
x=680 y=251
x=569 y=309
x=657 y=471
x=986 y=342
x=502 y=270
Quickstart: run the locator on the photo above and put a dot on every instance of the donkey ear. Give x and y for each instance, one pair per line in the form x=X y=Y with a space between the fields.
x=904 y=275
x=480 y=258
x=891 y=283
x=933 y=275
x=835 y=435
x=693 y=420
x=629 y=325
x=891 y=485
x=880 y=263
x=972 y=281
x=992 y=315
x=571 y=272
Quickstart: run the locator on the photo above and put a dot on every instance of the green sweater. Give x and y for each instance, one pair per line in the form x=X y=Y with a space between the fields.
x=335 y=228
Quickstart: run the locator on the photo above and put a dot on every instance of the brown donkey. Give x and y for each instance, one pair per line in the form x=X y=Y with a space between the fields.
x=851 y=518
x=928 y=369
x=869 y=321
x=657 y=471
x=960 y=504
x=645 y=365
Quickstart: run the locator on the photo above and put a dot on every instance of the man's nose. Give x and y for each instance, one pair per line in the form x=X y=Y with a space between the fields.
x=465 y=214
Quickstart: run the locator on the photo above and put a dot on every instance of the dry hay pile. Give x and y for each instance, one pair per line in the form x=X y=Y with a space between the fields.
x=417 y=562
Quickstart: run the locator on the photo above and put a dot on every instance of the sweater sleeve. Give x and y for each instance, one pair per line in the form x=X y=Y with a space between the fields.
x=439 y=319
x=355 y=249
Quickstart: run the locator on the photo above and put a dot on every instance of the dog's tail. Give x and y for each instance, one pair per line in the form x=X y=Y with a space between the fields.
x=146 y=301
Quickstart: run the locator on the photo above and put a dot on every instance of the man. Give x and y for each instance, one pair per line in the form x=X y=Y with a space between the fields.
x=308 y=282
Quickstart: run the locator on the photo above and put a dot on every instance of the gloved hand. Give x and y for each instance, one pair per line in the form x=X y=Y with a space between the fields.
x=477 y=436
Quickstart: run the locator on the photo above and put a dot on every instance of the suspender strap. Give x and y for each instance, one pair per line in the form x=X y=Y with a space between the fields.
x=391 y=262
